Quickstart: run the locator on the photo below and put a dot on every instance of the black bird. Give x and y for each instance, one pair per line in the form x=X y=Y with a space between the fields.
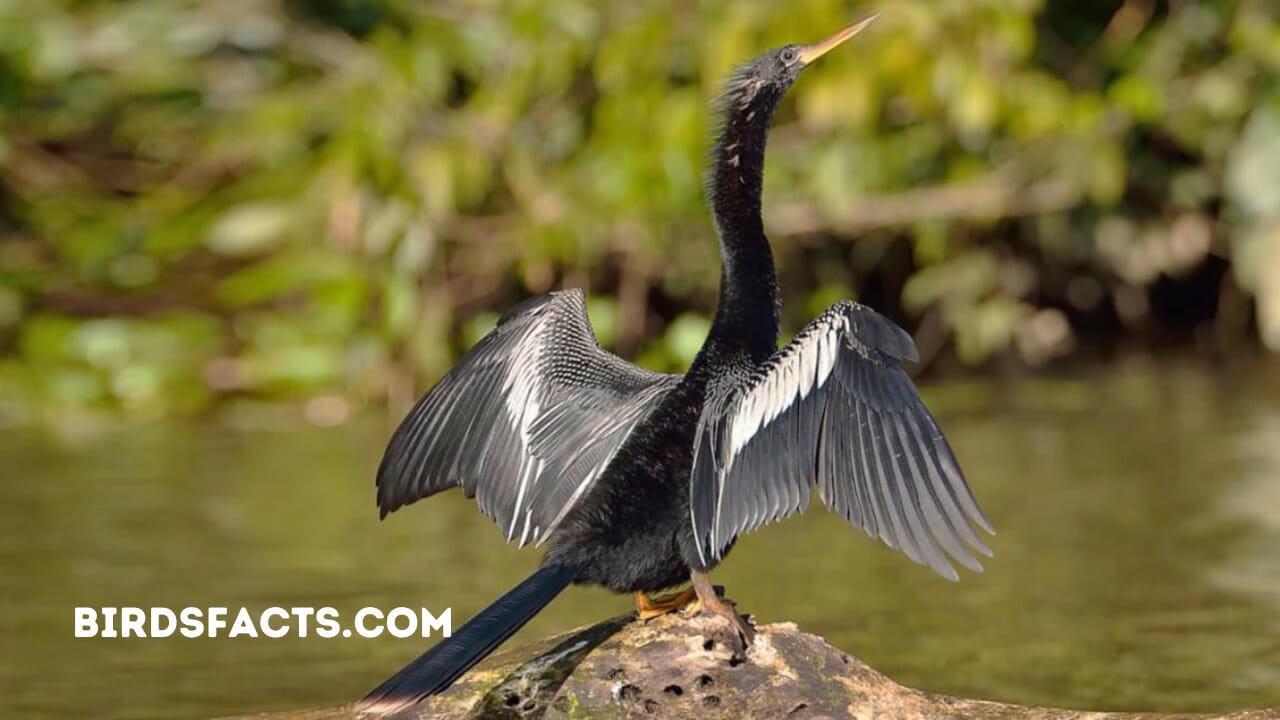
x=641 y=481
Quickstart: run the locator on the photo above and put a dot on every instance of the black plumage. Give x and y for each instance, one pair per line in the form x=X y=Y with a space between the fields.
x=834 y=408
x=641 y=481
x=524 y=422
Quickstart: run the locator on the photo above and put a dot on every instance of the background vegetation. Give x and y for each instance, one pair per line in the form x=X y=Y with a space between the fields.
x=327 y=200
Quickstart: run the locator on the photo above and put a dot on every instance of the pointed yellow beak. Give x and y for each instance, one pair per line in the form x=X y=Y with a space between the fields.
x=809 y=53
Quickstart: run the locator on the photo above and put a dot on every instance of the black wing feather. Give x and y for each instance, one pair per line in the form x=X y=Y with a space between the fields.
x=834 y=408
x=525 y=421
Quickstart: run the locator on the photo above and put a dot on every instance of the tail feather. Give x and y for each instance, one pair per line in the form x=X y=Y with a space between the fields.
x=437 y=668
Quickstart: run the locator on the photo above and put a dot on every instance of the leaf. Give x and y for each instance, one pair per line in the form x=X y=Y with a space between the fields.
x=251 y=228
x=1253 y=167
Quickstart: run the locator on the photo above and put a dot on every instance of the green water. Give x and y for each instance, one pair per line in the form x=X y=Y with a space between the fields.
x=1137 y=567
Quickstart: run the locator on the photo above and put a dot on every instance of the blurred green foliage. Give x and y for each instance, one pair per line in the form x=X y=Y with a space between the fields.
x=328 y=200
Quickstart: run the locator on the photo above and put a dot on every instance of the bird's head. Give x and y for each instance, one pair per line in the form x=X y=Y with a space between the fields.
x=771 y=74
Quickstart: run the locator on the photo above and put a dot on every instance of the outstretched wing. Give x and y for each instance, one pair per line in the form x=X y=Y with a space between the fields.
x=834 y=408
x=525 y=421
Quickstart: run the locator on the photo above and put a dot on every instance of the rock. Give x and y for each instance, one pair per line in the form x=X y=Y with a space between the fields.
x=674 y=667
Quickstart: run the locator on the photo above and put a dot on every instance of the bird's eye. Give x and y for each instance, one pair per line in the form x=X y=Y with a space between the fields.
x=789 y=55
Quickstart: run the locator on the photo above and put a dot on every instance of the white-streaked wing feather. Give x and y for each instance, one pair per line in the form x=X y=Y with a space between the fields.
x=524 y=423
x=834 y=408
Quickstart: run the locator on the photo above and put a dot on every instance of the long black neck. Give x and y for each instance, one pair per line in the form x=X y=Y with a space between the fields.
x=746 y=321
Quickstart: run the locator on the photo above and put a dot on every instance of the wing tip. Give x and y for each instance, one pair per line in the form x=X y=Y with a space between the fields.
x=387 y=501
x=386 y=506
x=906 y=349
x=970 y=563
x=944 y=569
x=887 y=336
x=971 y=543
x=985 y=524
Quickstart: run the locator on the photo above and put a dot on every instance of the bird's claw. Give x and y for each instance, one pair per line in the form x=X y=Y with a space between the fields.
x=727 y=610
x=711 y=598
x=692 y=609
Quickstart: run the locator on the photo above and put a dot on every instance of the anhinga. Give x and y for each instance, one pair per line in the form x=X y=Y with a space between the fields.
x=641 y=481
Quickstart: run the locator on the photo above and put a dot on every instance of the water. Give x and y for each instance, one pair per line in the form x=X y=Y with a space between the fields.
x=1138 y=560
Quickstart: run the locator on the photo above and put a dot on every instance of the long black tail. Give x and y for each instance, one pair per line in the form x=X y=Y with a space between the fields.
x=436 y=669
